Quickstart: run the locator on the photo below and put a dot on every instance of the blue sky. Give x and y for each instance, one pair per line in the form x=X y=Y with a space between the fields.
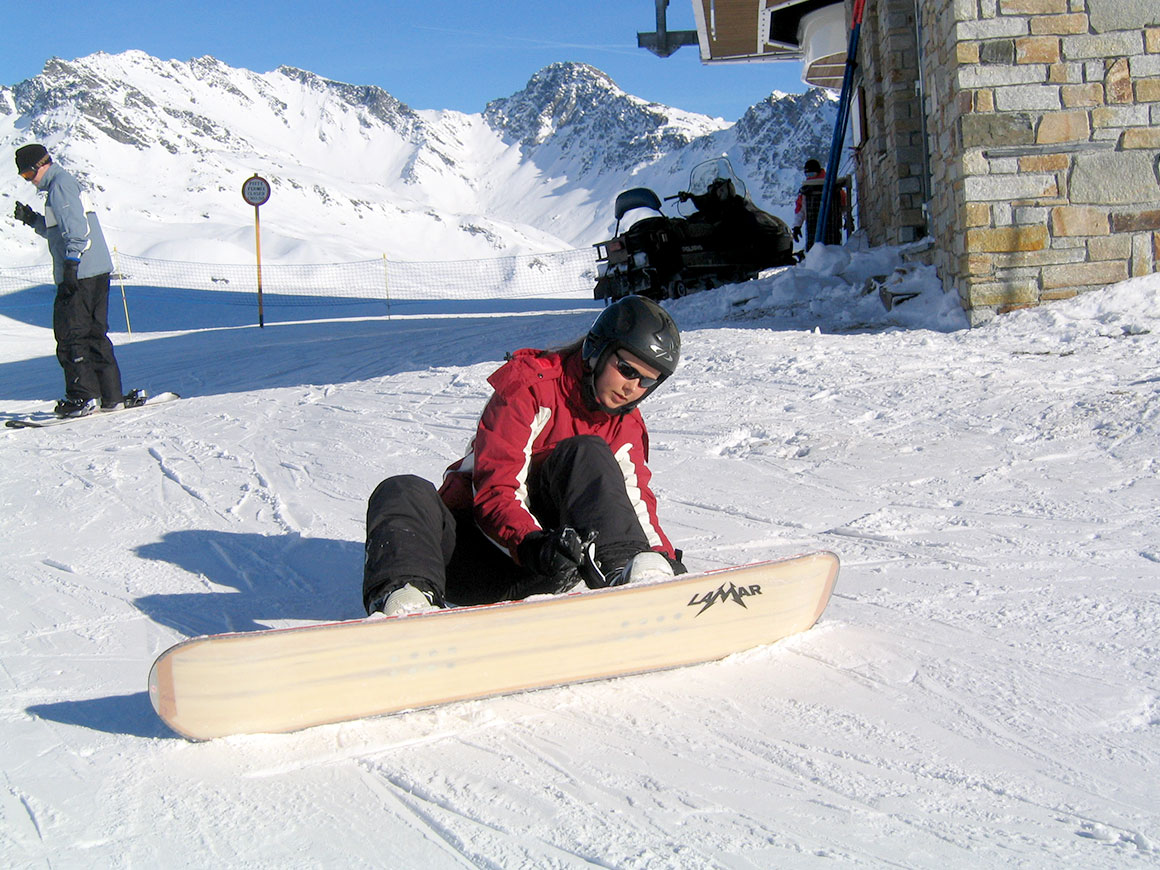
x=431 y=54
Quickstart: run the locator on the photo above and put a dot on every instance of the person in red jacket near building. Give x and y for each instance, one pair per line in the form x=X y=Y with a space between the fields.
x=801 y=210
x=807 y=208
x=554 y=491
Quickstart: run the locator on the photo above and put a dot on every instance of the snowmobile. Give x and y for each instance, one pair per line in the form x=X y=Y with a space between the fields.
x=726 y=239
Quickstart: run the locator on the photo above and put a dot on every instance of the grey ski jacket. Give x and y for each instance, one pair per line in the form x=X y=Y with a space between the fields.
x=70 y=231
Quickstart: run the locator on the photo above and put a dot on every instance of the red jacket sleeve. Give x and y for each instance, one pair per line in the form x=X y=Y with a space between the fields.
x=502 y=462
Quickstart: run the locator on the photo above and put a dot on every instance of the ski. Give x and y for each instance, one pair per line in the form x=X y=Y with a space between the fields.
x=45 y=419
x=282 y=680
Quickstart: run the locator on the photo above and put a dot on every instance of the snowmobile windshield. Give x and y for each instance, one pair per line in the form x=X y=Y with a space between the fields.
x=704 y=174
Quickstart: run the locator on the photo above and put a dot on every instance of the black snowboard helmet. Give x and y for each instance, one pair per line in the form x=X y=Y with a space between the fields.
x=639 y=326
x=812 y=166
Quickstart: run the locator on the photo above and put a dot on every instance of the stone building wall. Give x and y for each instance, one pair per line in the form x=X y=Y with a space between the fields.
x=1043 y=126
x=945 y=104
x=890 y=164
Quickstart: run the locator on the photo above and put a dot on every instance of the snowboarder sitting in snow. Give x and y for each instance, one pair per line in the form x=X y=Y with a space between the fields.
x=554 y=491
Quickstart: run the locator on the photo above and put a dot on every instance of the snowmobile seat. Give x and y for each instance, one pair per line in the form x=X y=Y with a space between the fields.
x=637 y=197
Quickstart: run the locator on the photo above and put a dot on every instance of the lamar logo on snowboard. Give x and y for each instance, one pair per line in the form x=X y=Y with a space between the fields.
x=737 y=594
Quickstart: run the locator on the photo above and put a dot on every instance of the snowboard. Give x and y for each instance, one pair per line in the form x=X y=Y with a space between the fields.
x=44 y=419
x=281 y=680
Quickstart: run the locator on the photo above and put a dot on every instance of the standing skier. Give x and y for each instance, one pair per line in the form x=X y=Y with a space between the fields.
x=554 y=490
x=807 y=208
x=81 y=267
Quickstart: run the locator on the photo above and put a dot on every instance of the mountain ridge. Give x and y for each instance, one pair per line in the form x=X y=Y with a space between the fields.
x=358 y=173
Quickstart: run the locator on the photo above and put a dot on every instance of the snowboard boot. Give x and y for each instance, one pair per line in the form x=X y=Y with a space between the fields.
x=75 y=407
x=403 y=601
x=647 y=567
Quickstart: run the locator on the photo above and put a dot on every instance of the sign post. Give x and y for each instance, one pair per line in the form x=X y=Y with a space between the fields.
x=256 y=191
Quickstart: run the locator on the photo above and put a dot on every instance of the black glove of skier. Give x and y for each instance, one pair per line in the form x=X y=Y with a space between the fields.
x=70 y=274
x=797 y=234
x=561 y=555
x=25 y=214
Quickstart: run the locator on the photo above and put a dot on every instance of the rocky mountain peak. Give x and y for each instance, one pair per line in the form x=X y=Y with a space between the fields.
x=576 y=112
x=371 y=98
x=556 y=97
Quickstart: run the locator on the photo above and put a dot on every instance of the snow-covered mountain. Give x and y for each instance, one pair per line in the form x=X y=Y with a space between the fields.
x=356 y=173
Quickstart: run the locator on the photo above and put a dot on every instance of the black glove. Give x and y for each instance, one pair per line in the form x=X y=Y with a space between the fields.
x=797 y=234
x=25 y=214
x=562 y=556
x=70 y=273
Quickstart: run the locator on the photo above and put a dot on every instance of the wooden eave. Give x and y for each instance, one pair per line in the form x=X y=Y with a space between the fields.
x=733 y=31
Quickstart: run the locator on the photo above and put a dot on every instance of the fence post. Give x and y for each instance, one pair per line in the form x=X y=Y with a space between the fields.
x=387 y=286
x=121 y=281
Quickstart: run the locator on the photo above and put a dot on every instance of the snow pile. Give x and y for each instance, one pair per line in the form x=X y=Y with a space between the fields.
x=983 y=690
x=1126 y=309
x=839 y=289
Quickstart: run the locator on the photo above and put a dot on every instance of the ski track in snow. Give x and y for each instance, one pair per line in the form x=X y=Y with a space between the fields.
x=984 y=689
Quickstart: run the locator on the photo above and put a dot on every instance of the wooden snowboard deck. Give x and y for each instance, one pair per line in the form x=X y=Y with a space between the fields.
x=287 y=679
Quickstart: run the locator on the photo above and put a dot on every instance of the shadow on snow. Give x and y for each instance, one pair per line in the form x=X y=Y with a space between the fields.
x=131 y=715
x=275 y=578
x=229 y=353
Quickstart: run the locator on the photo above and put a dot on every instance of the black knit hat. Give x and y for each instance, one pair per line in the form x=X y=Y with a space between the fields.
x=29 y=156
x=813 y=166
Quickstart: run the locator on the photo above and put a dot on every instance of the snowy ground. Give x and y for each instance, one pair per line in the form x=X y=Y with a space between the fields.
x=983 y=691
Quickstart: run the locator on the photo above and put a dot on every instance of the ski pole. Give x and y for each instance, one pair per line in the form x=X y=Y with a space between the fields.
x=843 y=117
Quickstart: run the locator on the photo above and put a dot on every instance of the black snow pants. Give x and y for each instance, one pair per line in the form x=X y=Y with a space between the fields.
x=80 y=322
x=413 y=537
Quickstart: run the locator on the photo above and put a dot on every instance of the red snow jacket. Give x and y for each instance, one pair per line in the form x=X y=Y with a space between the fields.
x=538 y=402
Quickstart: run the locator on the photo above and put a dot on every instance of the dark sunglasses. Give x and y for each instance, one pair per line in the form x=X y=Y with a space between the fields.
x=631 y=374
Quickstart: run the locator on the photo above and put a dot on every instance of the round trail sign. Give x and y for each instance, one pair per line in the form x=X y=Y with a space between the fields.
x=256 y=190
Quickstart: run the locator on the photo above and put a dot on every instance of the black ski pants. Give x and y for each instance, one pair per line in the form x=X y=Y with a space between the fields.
x=413 y=537
x=80 y=322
